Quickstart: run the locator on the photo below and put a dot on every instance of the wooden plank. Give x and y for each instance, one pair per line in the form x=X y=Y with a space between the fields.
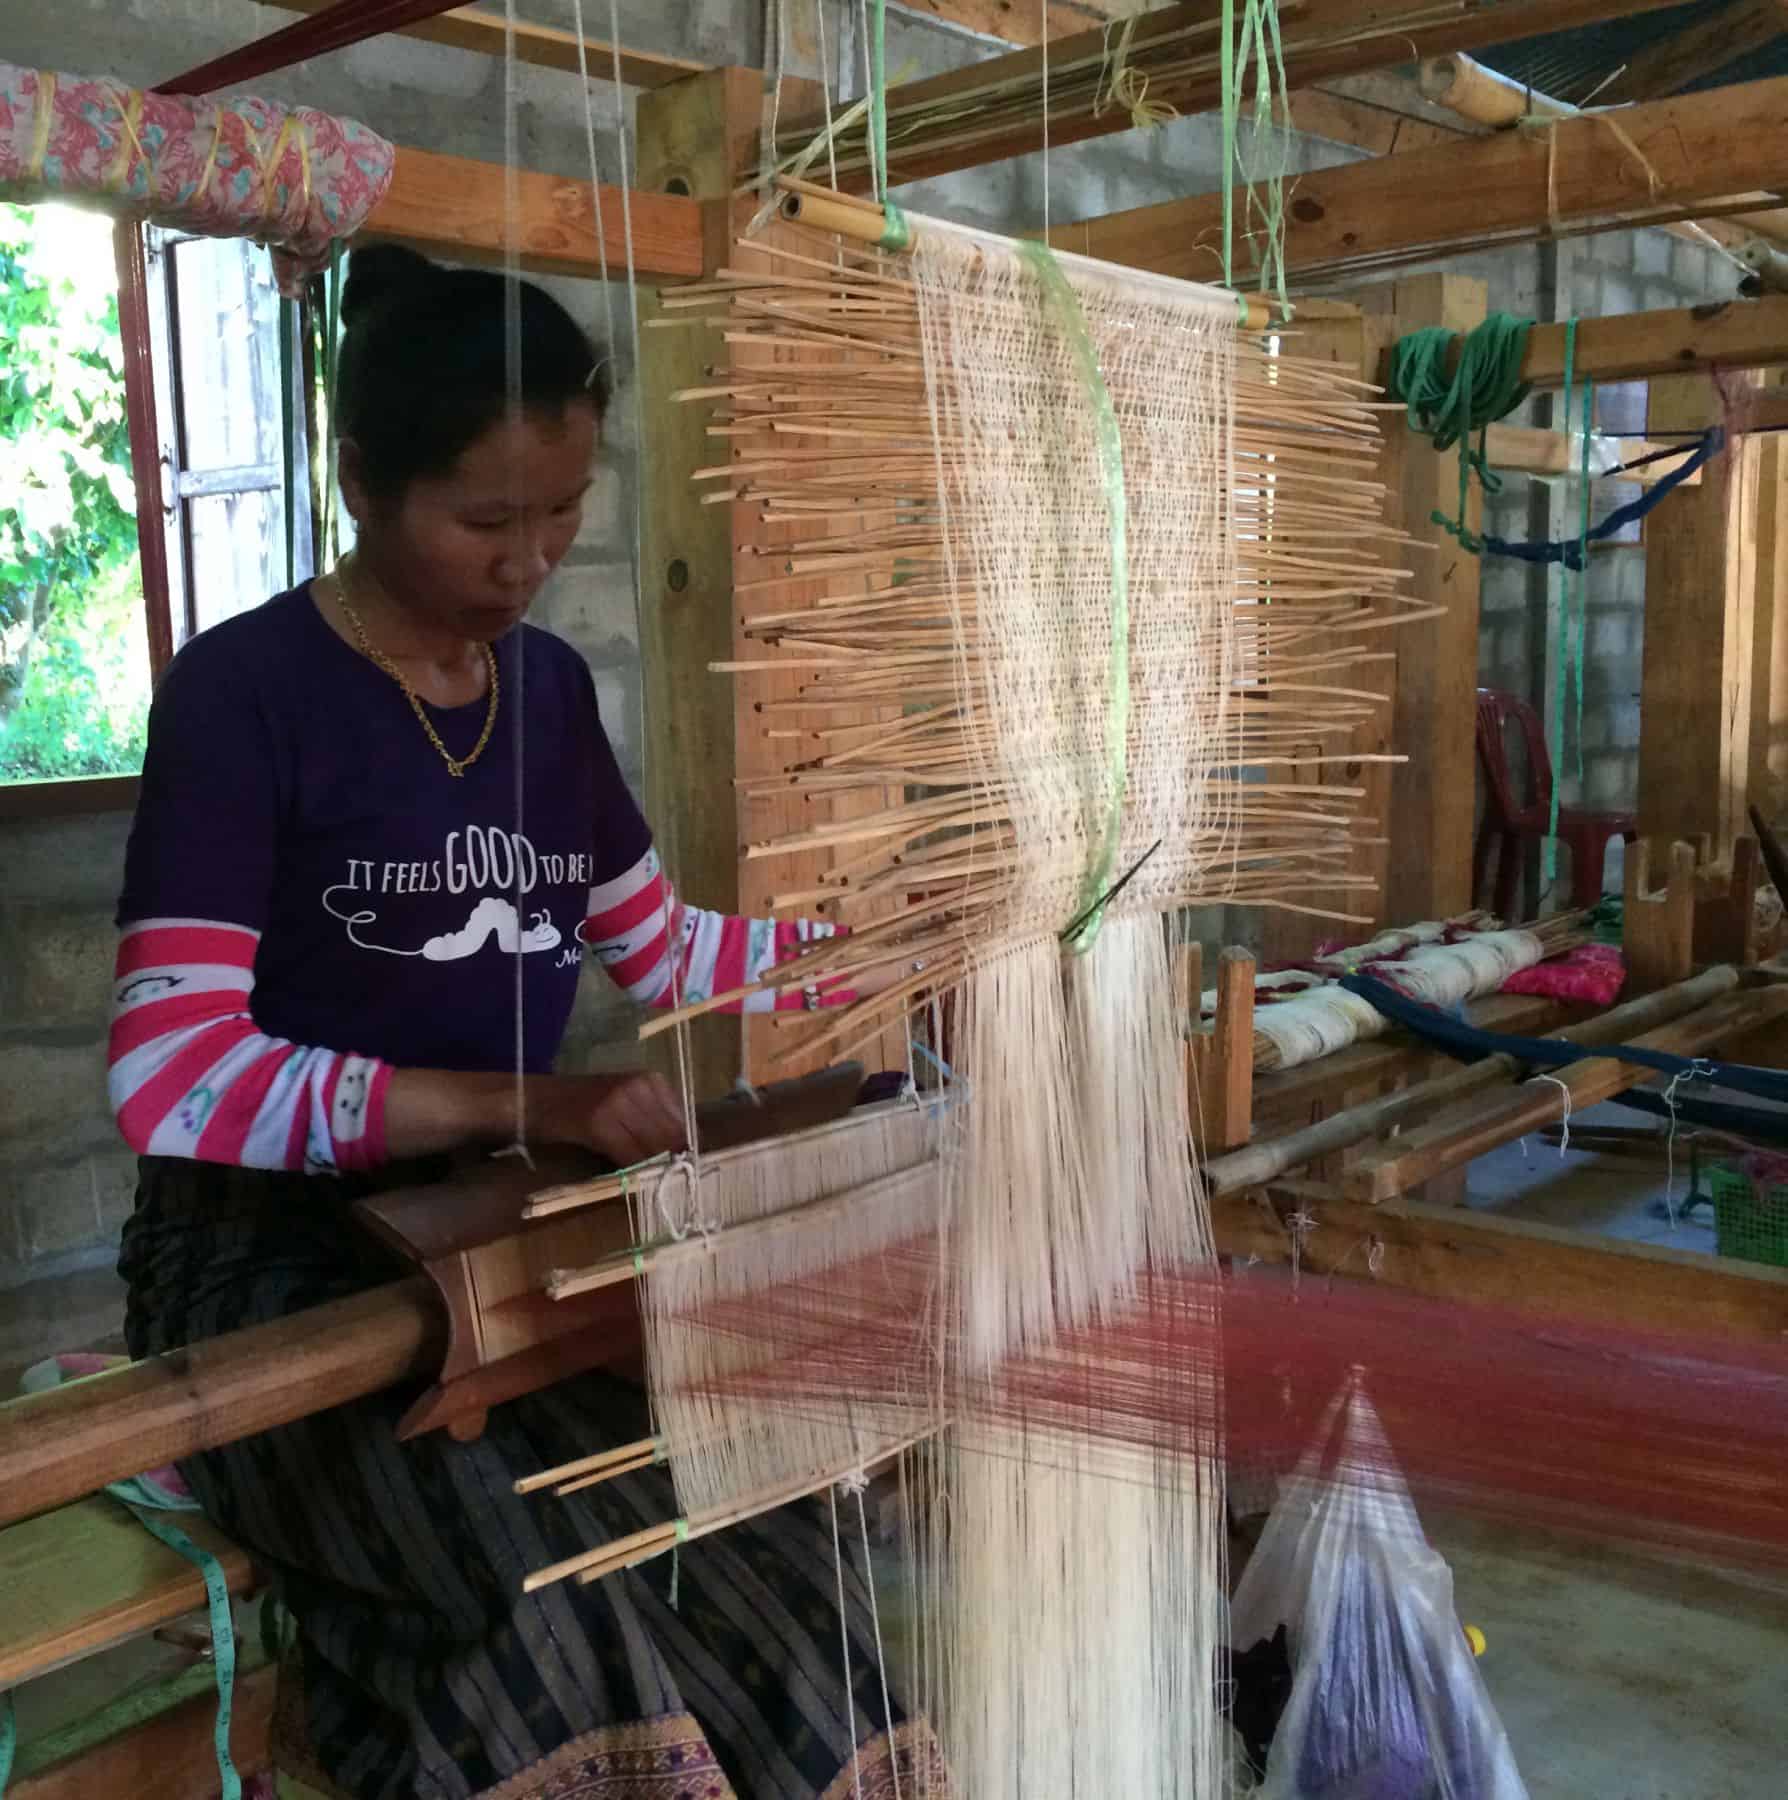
x=1506 y=187
x=1533 y=450
x=1697 y=51
x=1454 y=1254
x=1429 y=818
x=1020 y=21
x=76 y=794
x=1658 y=925
x=1337 y=333
x=1694 y=707
x=1322 y=40
x=1768 y=762
x=1223 y=1059
x=1450 y=1141
x=1737 y=334
x=88 y=1576
x=466 y=28
x=171 y=1755
x=456 y=207
x=59 y=1446
x=1392 y=1060
x=696 y=136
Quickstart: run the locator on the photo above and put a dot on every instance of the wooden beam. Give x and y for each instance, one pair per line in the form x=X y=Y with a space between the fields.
x=1462 y=1135
x=1452 y=1254
x=1695 y=692
x=1020 y=21
x=466 y=28
x=89 y=1576
x=1701 y=149
x=58 y=1446
x=1697 y=51
x=940 y=124
x=698 y=136
x=171 y=1755
x=457 y=208
x=1769 y=626
x=1533 y=450
x=1337 y=333
x=1734 y=334
x=1429 y=818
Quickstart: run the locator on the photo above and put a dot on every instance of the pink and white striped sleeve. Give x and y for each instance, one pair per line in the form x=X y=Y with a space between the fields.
x=191 y=1074
x=633 y=921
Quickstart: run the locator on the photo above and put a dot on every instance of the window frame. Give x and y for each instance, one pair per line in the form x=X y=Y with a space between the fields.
x=148 y=326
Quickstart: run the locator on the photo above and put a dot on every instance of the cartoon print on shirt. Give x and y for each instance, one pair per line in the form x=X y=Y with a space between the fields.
x=494 y=865
x=148 y=987
x=489 y=915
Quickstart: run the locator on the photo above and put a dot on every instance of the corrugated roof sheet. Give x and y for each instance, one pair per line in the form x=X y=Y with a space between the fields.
x=1570 y=65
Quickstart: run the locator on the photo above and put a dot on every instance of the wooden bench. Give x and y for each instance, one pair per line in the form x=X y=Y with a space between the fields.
x=86 y=1578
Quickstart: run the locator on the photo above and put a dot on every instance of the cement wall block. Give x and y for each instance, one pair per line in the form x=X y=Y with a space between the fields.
x=114 y=1175
x=58 y=965
x=602 y=526
x=1661 y=295
x=592 y=607
x=74 y=861
x=53 y=1208
x=1609 y=296
x=52 y=1094
x=1651 y=252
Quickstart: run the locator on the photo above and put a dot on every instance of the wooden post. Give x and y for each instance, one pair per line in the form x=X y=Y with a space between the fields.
x=1221 y=1061
x=1336 y=332
x=1768 y=770
x=1694 y=704
x=693 y=138
x=1435 y=724
x=1726 y=906
x=1658 y=928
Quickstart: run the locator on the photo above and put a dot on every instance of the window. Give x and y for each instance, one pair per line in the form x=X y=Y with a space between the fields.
x=218 y=415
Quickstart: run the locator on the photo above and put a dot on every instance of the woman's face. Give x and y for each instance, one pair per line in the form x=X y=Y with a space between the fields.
x=467 y=551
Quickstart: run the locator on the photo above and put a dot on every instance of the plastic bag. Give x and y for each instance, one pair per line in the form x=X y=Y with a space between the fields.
x=1386 y=1702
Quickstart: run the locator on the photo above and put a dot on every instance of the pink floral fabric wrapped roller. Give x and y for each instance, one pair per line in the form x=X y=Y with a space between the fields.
x=288 y=177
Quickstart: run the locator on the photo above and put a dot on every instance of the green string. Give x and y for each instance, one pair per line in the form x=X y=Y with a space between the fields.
x=878 y=102
x=9 y=1738
x=1061 y=300
x=1449 y=404
x=896 y=232
x=1582 y=570
x=1549 y=850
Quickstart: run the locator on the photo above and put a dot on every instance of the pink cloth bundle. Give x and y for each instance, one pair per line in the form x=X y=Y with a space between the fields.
x=289 y=177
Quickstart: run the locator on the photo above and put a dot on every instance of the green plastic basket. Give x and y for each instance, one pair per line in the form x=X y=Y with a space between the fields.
x=1750 y=1217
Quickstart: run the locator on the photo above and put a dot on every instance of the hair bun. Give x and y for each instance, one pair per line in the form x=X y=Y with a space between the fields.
x=383 y=272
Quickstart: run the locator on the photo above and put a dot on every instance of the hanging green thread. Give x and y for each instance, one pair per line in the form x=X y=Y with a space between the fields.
x=1482 y=386
x=1231 y=104
x=1256 y=48
x=1064 y=304
x=1549 y=850
x=878 y=102
x=896 y=232
x=1582 y=570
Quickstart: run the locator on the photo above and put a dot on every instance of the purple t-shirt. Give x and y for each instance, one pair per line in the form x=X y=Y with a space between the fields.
x=289 y=788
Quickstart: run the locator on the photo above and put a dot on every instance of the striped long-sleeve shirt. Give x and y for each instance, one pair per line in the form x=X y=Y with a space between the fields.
x=311 y=901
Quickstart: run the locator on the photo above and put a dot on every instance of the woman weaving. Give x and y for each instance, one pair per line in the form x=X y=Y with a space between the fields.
x=326 y=901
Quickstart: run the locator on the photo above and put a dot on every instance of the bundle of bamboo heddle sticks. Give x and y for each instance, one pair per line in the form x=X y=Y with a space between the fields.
x=870 y=680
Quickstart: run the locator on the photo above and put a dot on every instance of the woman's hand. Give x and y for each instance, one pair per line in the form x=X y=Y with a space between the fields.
x=627 y=1117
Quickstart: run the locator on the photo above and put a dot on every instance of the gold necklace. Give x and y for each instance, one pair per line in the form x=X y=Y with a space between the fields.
x=456 y=765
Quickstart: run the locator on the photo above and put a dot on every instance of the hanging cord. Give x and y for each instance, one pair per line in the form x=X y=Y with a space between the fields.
x=875 y=51
x=1564 y=1129
x=844 y=1647
x=825 y=62
x=1483 y=386
x=857 y=1484
x=1043 y=13
x=1559 y=650
x=1572 y=551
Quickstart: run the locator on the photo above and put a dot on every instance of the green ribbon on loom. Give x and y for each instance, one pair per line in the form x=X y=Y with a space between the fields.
x=1571 y=598
x=878 y=104
x=1064 y=306
x=1258 y=45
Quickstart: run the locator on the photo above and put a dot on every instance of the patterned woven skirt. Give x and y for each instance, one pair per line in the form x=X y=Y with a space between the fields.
x=421 y=1669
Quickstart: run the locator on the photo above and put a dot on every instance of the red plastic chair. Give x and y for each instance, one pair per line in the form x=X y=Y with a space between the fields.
x=1512 y=826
